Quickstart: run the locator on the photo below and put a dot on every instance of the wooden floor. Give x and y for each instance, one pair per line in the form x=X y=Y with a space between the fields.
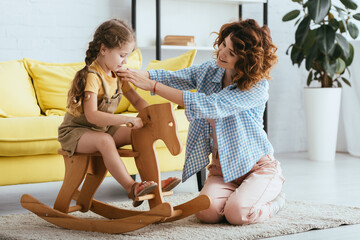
x=335 y=182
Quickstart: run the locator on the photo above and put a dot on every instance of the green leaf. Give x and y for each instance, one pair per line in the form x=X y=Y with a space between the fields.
x=342 y=27
x=309 y=78
x=291 y=15
x=287 y=50
x=357 y=16
x=340 y=66
x=340 y=10
x=349 y=4
x=351 y=57
x=353 y=30
x=310 y=57
x=343 y=14
x=302 y=31
x=318 y=9
x=296 y=55
x=326 y=38
x=329 y=66
x=346 y=81
x=309 y=41
x=334 y=24
x=339 y=83
x=344 y=44
x=337 y=52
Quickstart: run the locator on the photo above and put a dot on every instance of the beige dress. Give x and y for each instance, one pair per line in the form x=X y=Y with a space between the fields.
x=74 y=127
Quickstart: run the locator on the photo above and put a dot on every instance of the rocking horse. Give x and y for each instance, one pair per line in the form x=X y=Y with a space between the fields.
x=159 y=123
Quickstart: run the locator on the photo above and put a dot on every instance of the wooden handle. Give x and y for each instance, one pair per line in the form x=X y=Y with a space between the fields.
x=129 y=124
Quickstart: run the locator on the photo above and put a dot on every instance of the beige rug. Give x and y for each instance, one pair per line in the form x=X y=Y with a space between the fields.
x=295 y=217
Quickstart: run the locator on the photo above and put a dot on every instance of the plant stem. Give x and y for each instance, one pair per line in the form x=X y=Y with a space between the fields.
x=326 y=81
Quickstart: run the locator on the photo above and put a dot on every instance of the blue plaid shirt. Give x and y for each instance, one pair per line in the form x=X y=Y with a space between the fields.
x=238 y=119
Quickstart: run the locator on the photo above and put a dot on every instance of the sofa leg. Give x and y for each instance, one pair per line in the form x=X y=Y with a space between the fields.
x=133 y=177
x=201 y=177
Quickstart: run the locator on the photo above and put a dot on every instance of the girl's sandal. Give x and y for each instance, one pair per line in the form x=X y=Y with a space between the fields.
x=171 y=185
x=146 y=190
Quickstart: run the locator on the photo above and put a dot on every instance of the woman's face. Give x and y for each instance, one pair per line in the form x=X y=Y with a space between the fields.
x=226 y=56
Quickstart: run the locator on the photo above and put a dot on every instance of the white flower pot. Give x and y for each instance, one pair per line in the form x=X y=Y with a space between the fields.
x=322 y=108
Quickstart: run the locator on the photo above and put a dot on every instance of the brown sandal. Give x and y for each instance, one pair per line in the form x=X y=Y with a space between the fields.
x=144 y=191
x=171 y=185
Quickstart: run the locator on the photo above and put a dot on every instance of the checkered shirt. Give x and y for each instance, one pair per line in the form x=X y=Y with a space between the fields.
x=238 y=119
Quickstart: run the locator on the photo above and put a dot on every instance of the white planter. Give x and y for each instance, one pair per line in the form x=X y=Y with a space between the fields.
x=322 y=108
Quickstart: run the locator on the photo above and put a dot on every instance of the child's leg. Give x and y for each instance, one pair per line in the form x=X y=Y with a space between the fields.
x=92 y=141
x=122 y=137
x=250 y=203
x=218 y=191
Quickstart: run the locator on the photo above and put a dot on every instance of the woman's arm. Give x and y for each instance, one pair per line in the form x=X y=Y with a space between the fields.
x=183 y=79
x=103 y=119
x=171 y=94
x=145 y=83
x=227 y=102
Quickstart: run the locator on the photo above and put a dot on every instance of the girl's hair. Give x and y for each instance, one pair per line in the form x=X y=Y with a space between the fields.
x=113 y=33
x=256 y=51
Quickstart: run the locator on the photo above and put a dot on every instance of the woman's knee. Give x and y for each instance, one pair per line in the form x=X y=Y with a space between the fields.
x=210 y=215
x=237 y=213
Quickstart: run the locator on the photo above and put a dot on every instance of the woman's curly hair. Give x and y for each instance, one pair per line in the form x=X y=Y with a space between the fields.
x=112 y=33
x=255 y=49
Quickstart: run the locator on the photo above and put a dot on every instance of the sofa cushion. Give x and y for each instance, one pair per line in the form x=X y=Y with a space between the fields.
x=52 y=82
x=31 y=169
x=21 y=136
x=183 y=61
x=17 y=96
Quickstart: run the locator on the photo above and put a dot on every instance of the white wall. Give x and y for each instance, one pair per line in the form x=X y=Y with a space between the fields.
x=53 y=30
x=59 y=31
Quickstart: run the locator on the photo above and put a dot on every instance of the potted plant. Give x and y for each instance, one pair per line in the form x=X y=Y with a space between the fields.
x=320 y=41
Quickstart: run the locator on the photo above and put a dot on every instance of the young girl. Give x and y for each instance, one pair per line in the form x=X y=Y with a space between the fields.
x=226 y=119
x=89 y=124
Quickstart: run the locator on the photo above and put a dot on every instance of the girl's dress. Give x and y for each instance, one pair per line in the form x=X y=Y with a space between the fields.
x=73 y=127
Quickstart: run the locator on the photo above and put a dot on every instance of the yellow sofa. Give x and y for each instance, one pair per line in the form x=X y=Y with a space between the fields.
x=32 y=105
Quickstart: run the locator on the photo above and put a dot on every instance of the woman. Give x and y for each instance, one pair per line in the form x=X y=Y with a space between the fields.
x=226 y=119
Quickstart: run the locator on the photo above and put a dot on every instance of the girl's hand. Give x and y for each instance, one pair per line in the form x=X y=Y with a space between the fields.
x=137 y=77
x=135 y=123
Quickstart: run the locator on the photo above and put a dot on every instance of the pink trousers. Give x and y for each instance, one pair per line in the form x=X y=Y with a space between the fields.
x=245 y=200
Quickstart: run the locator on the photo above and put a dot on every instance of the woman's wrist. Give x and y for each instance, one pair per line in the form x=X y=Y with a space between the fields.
x=154 y=86
x=145 y=73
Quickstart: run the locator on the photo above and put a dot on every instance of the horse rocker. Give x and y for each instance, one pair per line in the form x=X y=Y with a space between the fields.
x=159 y=123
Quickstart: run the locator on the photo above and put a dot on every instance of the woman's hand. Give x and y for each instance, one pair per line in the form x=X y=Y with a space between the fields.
x=139 y=78
x=142 y=80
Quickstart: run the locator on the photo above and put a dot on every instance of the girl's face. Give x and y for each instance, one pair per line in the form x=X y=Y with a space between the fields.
x=113 y=59
x=226 y=56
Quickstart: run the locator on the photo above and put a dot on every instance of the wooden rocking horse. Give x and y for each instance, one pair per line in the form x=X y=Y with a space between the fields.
x=159 y=123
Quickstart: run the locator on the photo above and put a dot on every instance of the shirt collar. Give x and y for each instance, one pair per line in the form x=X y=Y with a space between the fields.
x=219 y=74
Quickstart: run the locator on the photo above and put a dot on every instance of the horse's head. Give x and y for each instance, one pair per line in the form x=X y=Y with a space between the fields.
x=159 y=120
